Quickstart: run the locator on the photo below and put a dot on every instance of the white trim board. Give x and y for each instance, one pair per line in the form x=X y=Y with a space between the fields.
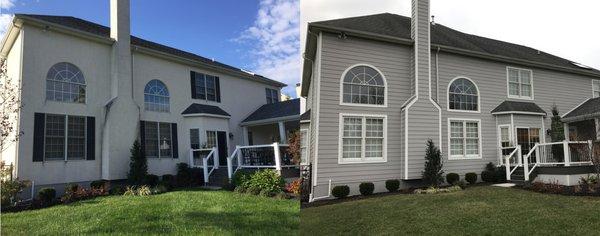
x=385 y=88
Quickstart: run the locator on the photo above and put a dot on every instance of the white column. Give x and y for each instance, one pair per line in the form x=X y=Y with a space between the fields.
x=282 y=132
x=276 y=151
x=566 y=131
x=597 y=128
x=245 y=134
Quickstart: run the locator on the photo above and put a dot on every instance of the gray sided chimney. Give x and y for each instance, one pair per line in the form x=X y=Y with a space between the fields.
x=122 y=115
x=422 y=115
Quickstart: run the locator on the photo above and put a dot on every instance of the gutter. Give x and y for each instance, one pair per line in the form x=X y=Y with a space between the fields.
x=271 y=120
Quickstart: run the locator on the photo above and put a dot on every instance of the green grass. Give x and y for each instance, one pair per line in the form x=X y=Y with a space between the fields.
x=483 y=210
x=180 y=212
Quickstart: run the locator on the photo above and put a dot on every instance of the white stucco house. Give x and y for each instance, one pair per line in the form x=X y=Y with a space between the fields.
x=89 y=91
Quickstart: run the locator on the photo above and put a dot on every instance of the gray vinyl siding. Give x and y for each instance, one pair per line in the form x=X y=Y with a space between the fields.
x=338 y=55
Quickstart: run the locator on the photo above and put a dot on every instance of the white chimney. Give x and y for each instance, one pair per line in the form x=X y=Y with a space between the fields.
x=420 y=28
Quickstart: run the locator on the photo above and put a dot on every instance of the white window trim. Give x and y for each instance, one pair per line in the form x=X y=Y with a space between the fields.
x=85 y=133
x=508 y=84
x=594 y=91
x=385 y=89
x=448 y=96
x=465 y=157
x=304 y=156
x=499 y=137
x=168 y=97
x=361 y=160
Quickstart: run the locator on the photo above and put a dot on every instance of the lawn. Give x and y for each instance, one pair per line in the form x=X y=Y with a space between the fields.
x=483 y=210
x=180 y=212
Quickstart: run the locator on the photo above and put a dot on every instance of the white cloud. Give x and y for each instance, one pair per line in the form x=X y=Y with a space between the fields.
x=7 y=4
x=275 y=37
x=5 y=19
x=564 y=28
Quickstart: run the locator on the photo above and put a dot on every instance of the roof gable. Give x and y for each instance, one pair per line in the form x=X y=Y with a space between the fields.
x=275 y=110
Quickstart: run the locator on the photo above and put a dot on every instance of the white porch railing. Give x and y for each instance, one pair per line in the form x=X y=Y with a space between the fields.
x=259 y=156
x=564 y=153
x=205 y=159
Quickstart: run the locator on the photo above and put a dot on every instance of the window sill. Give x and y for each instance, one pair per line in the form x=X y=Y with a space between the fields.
x=462 y=111
x=460 y=158
x=362 y=105
x=521 y=98
x=343 y=161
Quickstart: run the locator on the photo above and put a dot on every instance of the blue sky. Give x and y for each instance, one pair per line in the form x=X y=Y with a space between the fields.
x=256 y=35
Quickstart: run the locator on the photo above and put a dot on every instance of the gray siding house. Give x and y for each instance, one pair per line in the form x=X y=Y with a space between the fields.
x=89 y=91
x=377 y=87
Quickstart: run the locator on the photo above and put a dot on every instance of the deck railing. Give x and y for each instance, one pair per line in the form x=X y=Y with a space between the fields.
x=205 y=159
x=259 y=156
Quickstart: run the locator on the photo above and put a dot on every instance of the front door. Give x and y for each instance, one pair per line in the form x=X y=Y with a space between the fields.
x=527 y=138
x=222 y=147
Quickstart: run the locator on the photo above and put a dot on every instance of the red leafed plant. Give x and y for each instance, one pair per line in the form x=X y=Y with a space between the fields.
x=294 y=186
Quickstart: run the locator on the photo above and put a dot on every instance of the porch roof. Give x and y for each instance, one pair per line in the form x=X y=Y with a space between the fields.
x=514 y=107
x=275 y=112
x=305 y=117
x=587 y=110
x=200 y=109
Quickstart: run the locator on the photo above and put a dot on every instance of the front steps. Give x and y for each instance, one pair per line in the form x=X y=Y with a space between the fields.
x=220 y=178
x=519 y=175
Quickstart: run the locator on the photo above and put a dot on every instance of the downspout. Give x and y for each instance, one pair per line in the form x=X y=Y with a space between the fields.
x=134 y=48
x=437 y=79
x=323 y=197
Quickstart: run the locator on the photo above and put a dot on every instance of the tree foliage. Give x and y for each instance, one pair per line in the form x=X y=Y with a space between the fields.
x=10 y=104
x=557 y=133
x=294 y=146
x=433 y=173
x=138 y=167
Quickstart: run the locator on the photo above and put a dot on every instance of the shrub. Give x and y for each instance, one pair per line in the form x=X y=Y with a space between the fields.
x=197 y=176
x=116 y=190
x=434 y=190
x=452 y=178
x=488 y=176
x=366 y=188
x=501 y=174
x=461 y=183
x=144 y=190
x=392 y=185
x=294 y=186
x=241 y=178
x=10 y=190
x=432 y=174
x=168 y=178
x=255 y=190
x=340 y=191
x=71 y=188
x=240 y=189
x=266 y=180
x=168 y=186
x=138 y=165
x=160 y=188
x=46 y=195
x=184 y=174
x=471 y=178
x=130 y=191
x=151 y=180
x=99 y=184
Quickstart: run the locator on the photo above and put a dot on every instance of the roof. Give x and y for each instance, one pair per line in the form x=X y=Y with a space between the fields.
x=588 y=109
x=196 y=108
x=275 y=110
x=508 y=107
x=103 y=31
x=397 y=28
x=305 y=116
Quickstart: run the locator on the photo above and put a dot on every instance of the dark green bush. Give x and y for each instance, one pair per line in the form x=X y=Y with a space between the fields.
x=341 y=191
x=197 y=175
x=70 y=188
x=46 y=195
x=165 y=184
x=433 y=173
x=160 y=188
x=96 y=184
x=500 y=175
x=392 y=185
x=268 y=181
x=452 y=178
x=488 y=176
x=138 y=165
x=461 y=183
x=241 y=178
x=184 y=174
x=471 y=177
x=116 y=190
x=168 y=178
x=151 y=180
x=366 y=188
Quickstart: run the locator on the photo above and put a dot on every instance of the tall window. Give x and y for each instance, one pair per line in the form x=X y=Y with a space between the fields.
x=520 y=83
x=65 y=137
x=363 y=138
x=156 y=96
x=65 y=83
x=211 y=139
x=363 y=85
x=505 y=136
x=463 y=95
x=465 y=141
x=596 y=88
x=206 y=87
x=272 y=95
x=158 y=140
x=195 y=138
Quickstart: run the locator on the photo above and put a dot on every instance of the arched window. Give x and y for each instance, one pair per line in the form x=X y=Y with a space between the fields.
x=363 y=85
x=463 y=95
x=156 y=96
x=65 y=83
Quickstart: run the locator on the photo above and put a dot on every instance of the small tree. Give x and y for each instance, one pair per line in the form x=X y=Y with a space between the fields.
x=294 y=146
x=433 y=173
x=557 y=134
x=138 y=167
x=10 y=104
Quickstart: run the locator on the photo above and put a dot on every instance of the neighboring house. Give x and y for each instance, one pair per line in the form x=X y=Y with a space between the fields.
x=88 y=91
x=379 y=86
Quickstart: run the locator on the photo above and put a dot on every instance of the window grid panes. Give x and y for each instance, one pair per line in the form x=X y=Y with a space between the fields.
x=362 y=137
x=464 y=139
x=363 y=85
x=65 y=83
x=158 y=141
x=271 y=95
x=520 y=83
x=596 y=88
x=156 y=96
x=194 y=138
x=504 y=137
x=76 y=138
x=151 y=139
x=304 y=146
x=165 y=140
x=54 y=147
x=463 y=95
x=211 y=139
x=64 y=137
x=206 y=86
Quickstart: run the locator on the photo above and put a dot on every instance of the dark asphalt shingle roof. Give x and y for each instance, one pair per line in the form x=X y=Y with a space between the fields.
x=399 y=26
x=275 y=110
x=590 y=107
x=513 y=106
x=305 y=116
x=196 y=108
x=100 y=30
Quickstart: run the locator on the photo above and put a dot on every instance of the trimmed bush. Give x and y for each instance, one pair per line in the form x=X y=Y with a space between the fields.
x=366 y=188
x=461 y=183
x=392 y=185
x=96 y=184
x=341 y=191
x=471 y=177
x=116 y=190
x=452 y=178
x=46 y=195
x=151 y=180
x=488 y=176
x=267 y=181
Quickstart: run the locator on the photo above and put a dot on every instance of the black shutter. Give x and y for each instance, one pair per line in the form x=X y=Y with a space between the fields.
x=143 y=137
x=39 y=121
x=218 y=89
x=91 y=138
x=193 y=84
x=175 y=149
